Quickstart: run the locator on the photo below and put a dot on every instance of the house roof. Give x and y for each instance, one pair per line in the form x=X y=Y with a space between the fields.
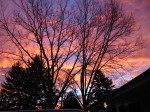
x=134 y=83
x=139 y=86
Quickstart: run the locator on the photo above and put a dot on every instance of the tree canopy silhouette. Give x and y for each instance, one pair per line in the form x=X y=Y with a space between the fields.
x=34 y=83
x=26 y=88
x=102 y=88
x=13 y=89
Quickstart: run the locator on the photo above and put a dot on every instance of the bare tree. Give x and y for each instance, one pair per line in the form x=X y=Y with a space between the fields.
x=91 y=35
x=104 y=32
x=45 y=28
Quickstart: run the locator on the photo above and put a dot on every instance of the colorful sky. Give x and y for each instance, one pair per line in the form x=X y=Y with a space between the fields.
x=139 y=61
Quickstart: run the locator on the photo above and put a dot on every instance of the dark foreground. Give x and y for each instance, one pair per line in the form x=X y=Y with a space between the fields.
x=48 y=110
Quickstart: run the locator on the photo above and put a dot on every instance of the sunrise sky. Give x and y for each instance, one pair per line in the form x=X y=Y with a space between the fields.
x=135 y=64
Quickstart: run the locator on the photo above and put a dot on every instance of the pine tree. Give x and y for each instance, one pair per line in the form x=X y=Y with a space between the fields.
x=26 y=88
x=34 y=81
x=103 y=87
x=38 y=84
x=12 y=88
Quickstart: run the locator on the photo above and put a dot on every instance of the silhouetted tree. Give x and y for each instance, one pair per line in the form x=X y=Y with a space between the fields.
x=38 y=84
x=28 y=87
x=12 y=88
x=102 y=87
x=71 y=102
x=47 y=26
x=95 y=34
x=34 y=84
x=104 y=31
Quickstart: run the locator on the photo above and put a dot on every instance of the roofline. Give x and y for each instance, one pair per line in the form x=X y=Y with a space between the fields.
x=142 y=78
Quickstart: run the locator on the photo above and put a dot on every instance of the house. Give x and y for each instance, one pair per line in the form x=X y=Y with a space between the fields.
x=134 y=96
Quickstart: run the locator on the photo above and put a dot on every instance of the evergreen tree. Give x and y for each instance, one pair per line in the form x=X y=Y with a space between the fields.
x=37 y=85
x=34 y=82
x=26 y=88
x=23 y=87
x=12 y=88
x=102 y=87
